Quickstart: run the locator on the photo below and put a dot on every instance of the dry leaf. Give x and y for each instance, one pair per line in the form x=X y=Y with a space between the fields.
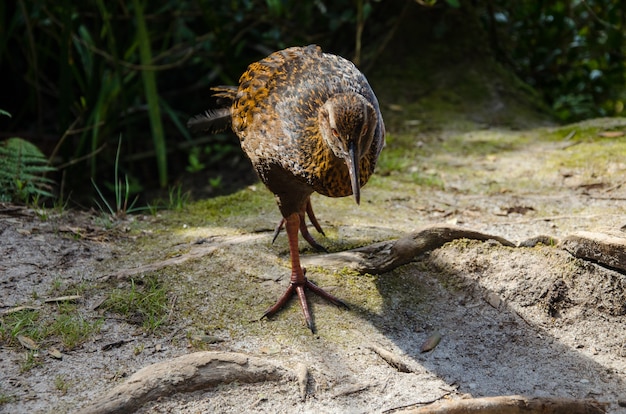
x=431 y=342
x=27 y=342
x=611 y=134
x=55 y=353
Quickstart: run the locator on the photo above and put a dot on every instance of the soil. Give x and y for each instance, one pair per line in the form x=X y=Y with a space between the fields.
x=533 y=320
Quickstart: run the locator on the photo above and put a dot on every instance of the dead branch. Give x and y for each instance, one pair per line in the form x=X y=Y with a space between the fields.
x=385 y=256
x=512 y=404
x=186 y=373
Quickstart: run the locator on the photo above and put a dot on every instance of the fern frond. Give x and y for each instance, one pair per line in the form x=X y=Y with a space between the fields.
x=22 y=166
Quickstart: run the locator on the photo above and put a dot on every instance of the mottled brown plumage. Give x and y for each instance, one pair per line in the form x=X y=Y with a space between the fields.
x=309 y=122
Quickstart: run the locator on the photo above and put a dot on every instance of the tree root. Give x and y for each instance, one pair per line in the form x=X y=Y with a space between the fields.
x=605 y=249
x=513 y=404
x=385 y=256
x=192 y=372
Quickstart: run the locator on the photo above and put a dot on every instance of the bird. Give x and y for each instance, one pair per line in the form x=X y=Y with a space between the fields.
x=309 y=122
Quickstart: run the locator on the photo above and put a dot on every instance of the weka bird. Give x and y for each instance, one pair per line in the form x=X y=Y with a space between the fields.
x=309 y=122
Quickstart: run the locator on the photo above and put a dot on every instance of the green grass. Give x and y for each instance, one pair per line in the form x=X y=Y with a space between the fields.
x=71 y=327
x=144 y=302
x=61 y=384
x=31 y=360
x=65 y=325
x=22 y=323
x=5 y=398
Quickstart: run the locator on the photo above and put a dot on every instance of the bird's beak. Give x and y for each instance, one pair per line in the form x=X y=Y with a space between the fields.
x=353 y=168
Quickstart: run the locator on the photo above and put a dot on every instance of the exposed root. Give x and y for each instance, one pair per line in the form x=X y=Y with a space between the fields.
x=605 y=249
x=385 y=256
x=513 y=404
x=187 y=373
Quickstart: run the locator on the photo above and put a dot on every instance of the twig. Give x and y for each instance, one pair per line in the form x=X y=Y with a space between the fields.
x=392 y=359
x=402 y=407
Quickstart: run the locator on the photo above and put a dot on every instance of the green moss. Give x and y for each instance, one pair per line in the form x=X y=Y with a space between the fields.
x=231 y=208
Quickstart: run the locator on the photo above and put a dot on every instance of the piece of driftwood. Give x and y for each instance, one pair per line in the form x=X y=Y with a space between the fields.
x=192 y=372
x=606 y=249
x=511 y=404
x=385 y=256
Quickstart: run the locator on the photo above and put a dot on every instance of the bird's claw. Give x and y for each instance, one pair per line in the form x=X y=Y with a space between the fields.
x=298 y=288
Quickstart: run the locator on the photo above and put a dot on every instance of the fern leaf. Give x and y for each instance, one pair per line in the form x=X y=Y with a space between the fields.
x=21 y=167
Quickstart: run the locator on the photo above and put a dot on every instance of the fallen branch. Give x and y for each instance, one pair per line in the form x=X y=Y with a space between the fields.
x=513 y=404
x=385 y=256
x=187 y=373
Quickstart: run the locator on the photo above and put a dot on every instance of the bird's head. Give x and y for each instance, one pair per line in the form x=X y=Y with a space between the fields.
x=347 y=124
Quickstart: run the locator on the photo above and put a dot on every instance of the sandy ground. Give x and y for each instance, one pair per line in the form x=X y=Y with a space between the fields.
x=512 y=320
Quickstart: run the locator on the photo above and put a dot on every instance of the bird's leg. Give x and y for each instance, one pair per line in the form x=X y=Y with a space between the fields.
x=309 y=212
x=278 y=228
x=303 y=228
x=307 y=236
x=298 y=281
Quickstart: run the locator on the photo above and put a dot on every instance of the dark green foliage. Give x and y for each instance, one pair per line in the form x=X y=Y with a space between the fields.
x=573 y=52
x=22 y=169
x=87 y=72
x=76 y=75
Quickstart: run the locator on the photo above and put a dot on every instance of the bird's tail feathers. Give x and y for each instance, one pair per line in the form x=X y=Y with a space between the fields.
x=211 y=121
x=216 y=119
x=225 y=92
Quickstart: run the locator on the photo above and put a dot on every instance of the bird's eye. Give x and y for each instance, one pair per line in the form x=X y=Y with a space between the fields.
x=335 y=132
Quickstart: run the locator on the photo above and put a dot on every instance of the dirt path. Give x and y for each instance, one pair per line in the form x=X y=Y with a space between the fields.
x=534 y=320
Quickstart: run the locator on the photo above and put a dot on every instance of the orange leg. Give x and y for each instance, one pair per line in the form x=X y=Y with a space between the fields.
x=303 y=229
x=298 y=280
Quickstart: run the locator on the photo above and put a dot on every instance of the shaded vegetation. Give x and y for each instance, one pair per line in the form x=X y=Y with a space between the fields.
x=87 y=73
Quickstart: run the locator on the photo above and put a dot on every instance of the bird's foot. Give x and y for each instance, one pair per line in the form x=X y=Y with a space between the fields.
x=299 y=289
